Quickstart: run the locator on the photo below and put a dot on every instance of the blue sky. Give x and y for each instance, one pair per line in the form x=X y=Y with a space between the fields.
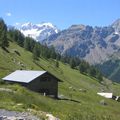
x=62 y=13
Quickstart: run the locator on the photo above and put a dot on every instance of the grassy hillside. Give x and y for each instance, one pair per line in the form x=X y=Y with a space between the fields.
x=79 y=100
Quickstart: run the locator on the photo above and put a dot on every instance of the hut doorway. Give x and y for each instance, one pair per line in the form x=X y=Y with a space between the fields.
x=44 y=91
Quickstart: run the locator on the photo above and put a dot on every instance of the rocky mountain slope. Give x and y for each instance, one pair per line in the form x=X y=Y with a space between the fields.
x=94 y=44
x=111 y=68
x=38 y=31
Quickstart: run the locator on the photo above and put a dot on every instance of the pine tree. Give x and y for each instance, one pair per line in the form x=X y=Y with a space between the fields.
x=77 y=61
x=57 y=64
x=36 y=52
x=35 y=57
x=58 y=56
x=15 y=35
x=27 y=43
x=92 y=71
x=3 y=34
x=52 y=52
x=20 y=40
x=72 y=63
x=99 y=76
x=82 y=68
x=32 y=43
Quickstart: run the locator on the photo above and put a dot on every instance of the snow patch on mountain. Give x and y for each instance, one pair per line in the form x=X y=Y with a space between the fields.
x=38 y=31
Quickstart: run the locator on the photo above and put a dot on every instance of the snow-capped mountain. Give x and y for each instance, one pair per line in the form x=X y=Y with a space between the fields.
x=38 y=31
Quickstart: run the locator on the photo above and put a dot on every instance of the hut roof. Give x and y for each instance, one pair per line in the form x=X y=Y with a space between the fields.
x=24 y=76
x=106 y=95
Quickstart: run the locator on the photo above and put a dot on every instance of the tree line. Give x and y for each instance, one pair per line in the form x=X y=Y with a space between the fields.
x=44 y=51
x=3 y=34
x=83 y=66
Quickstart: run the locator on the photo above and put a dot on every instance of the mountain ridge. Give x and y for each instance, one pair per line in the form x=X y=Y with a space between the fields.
x=94 y=44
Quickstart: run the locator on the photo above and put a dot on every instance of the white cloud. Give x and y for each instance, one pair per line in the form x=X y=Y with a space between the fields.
x=8 y=14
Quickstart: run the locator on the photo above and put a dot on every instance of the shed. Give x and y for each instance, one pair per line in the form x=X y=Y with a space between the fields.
x=38 y=81
x=106 y=95
x=110 y=96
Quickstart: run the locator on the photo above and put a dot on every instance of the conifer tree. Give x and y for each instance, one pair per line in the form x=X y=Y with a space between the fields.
x=57 y=64
x=99 y=76
x=20 y=40
x=82 y=68
x=27 y=43
x=36 y=52
x=92 y=71
x=72 y=63
x=3 y=34
x=52 y=52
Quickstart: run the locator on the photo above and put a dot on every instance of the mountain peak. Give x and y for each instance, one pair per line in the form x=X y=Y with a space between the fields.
x=39 y=31
x=116 y=21
x=27 y=24
x=80 y=26
x=116 y=25
x=46 y=24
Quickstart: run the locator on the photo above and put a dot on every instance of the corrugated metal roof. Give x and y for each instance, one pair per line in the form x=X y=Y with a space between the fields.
x=106 y=95
x=23 y=76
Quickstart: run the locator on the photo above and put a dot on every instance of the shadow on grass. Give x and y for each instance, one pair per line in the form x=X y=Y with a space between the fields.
x=5 y=49
x=68 y=99
x=17 y=53
x=38 y=65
